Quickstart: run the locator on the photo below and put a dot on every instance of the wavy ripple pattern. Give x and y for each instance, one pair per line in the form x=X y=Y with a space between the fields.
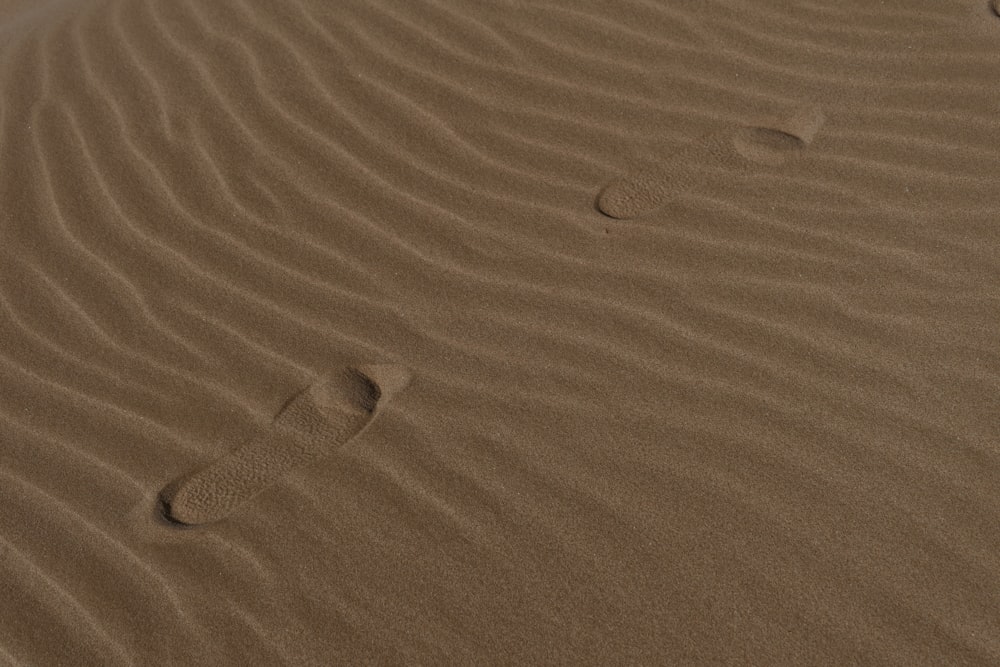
x=754 y=424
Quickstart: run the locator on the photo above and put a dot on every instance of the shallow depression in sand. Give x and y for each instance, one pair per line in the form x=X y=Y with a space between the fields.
x=648 y=188
x=321 y=418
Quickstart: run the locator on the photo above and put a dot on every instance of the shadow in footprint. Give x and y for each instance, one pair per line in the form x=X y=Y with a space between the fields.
x=321 y=418
x=735 y=150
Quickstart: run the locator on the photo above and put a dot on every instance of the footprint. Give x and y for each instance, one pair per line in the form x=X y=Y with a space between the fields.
x=995 y=7
x=322 y=417
x=735 y=150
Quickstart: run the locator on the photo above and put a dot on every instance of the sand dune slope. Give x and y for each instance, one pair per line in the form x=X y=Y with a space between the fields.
x=695 y=304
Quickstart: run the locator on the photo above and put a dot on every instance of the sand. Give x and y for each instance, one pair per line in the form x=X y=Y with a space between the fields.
x=454 y=332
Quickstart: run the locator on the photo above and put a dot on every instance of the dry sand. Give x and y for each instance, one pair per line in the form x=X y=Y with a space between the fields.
x=637 y=332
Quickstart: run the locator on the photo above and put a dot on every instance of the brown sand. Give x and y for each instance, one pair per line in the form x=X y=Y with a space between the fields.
x=735 y=152
x=750 y=417
x=322 y=418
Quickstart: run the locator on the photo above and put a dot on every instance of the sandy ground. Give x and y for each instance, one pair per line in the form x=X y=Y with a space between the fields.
x=456 y=332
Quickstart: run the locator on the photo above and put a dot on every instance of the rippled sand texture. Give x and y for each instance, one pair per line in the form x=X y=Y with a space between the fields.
x=748 y=417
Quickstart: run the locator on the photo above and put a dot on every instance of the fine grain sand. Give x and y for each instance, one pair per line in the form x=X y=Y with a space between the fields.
x=457 y=332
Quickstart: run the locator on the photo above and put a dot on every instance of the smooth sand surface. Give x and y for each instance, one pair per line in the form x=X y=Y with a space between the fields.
x=455 y=332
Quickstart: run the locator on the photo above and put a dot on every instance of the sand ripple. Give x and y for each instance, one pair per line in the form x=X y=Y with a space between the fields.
x=746 y=415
